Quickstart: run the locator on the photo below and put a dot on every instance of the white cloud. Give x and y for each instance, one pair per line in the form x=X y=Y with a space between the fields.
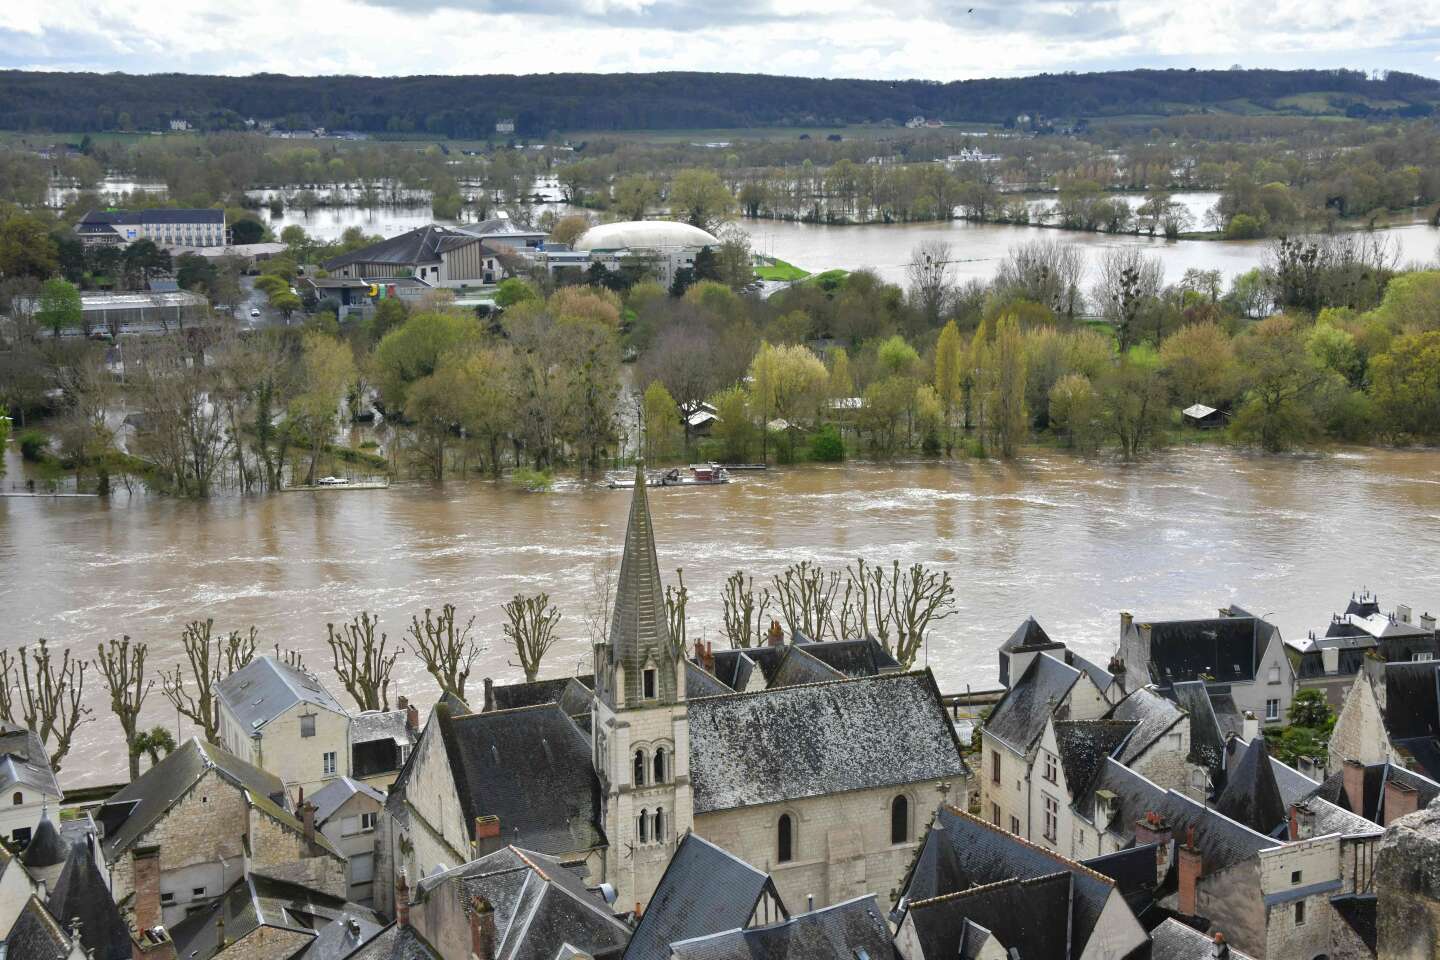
x=933 y=39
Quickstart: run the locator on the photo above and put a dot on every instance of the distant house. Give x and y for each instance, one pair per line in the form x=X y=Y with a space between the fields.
x=505 y=126
x=27 y=783
x=1202 y=417
x=440 y=256
x=346 y=812
x=285 y=722
x=1361 y=635
x=165 y=227
x=380 y=743
x=179 y=125
x=1393 y=717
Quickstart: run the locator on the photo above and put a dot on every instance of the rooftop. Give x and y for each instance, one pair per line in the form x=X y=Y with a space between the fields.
x=1019 y=718
x=24 y=761
x=852 y=930
x=266 y=687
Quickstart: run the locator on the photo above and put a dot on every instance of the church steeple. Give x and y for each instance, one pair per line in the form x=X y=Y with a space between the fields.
x=641 y=659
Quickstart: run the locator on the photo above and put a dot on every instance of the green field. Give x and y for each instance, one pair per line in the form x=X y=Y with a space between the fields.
x=775 y=269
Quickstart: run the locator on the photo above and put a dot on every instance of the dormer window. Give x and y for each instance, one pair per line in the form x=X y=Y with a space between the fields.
x=650 y=680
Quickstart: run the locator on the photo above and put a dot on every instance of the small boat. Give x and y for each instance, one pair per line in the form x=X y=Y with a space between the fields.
x=696 y=475
x=732 y=467
x=331 y=482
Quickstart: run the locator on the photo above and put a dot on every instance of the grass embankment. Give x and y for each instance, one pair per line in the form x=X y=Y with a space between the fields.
x=776 y=269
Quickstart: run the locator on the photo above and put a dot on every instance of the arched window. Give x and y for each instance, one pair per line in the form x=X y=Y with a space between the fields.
x=900 y=820
x=660 y=758
x=19 y=798
x=644 y=828
x=785 y=839
x=659 y=831
x=639 y=768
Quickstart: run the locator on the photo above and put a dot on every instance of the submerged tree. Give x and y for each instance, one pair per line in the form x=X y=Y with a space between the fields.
x=744 y=611
x=361 y=663
x=531 y=630
x=44 y=696
x=676 y=598
x=204 y=654
x=449 y=653
x=123 y=667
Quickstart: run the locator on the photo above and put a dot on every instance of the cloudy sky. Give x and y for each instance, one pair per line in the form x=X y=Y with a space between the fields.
x=933 y=39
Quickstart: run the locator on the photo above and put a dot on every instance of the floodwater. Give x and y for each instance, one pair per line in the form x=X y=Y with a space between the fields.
x=1071 y=541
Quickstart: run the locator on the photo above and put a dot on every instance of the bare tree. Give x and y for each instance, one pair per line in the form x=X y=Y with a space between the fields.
x=864 y=607
x=929 y=276
x=362 y=664
x=49 y=696
x=675 y=600
x=204 y=654
x=531 y=630
x=291 y=658
x=744 y=611
x=806 y=594
x=1043 y=271
x=449 y=653
x=596 y=612
x=1129 y=281
x=123 y=667
x=918 y=598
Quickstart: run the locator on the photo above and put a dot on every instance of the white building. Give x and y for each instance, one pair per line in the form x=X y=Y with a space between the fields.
x=285 y=722
x=28 y=789
x=664 y=245
x=164 y=227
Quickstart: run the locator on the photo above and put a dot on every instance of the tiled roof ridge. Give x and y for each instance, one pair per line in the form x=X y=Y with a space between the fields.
x=1066 y=861
x=506 y=710
x=530 y=863
x=893 y=675
x=989 y=887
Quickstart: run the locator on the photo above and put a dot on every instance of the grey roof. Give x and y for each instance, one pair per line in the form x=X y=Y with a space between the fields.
x=532 y=768
x=45 y=848
x=1221 y=841
x=1251 y=795
x=412 y=248
x=370 y=725
x=133 y=810
x=1207 y=736
x=962 y=851
x=334 y=795
x=539 y=904
x=1331 y=818
x=1028 y=634
x=699 y=683
x=255 y=901
x=1375 y=779
x=1084 y=745
x=81 y=893
x=1133 y=870
x=1153 y=716
x=734 y=668
x=154 y=215
x=25 y=762
x=395 y=943
x=342 y=936
x=1226 y=649
x=1024 y=915
x=863 y=657
x=820 y=739
x=500 y=227
x=510 y=696
x=1292 y=784
x=1019 y=718
x=799 y=666
x=1173 y=940
x=266 y=687
x=852 y=930
x=705 y=890
x=639 y=625
x=35 y=935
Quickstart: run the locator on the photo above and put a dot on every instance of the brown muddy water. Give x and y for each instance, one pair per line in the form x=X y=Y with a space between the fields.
x=1071 y=541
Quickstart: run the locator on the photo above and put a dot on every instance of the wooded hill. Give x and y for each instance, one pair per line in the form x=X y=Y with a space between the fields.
x=468 y=107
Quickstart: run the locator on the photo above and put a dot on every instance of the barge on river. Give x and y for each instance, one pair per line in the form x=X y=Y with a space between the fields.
x=696 y=475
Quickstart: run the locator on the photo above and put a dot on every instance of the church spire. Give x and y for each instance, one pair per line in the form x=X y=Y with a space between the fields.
x=639 y=628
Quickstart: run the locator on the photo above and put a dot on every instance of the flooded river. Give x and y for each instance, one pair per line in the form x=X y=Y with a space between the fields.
x=1071 y=541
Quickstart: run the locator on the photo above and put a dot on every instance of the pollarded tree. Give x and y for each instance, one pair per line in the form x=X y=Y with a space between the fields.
x=123 y=667
x=448 y=652
x=206 y=655
x=361 y=663
x=744 y=611
x=531 y=630
x=44 y=696
x=676 y=598
x=806 y=594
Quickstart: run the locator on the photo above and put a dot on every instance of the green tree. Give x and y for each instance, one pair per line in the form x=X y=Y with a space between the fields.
x=1199 y=362
x=59 y=307
x=634 y=195
x=785 y=383
x=897 y=357
x=1405 y=385
x=328 y=371
x=662 y=423
x=513 y=290
x=700 y=198
x=247 y=231
x=949 y=357
x=26 y=247
x=1006 y=417
x=734 y=428
x=1279 y=375
x=415 y=349
x=1075 y=412
x=1133 y=401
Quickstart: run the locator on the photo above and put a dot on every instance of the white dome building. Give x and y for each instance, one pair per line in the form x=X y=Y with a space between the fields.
x=645 y=235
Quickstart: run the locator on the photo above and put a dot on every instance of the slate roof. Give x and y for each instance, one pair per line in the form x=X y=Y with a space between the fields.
x=334 y=795
x=852 y=930
x=1019 y=718
x=45 y=848
x=705 y=890
x=639 y=625
x=513 y=695
x=342 y=936
x=1028 y=634
x=1359 y=914
x=254 y=901
x=1374 y=779
x=854 y=658
x=532 y=768
x=266 y=687
x=539 y=904
x=25 y=762
x=81 y=893
x=698 y=683
x=734 y=668
x=962 y=851
x=1412 y=699
x=412 y=248
x=1293 y=784
x=1084 y=745
x=1173 y=940
x=1251 y=795
x=371 y=725
x=820 y=739
x=800 y=666
x=1023 y=915
x=156 y=215
x=1331 y=818
x=133 y=810
x=1153 y=716
x=36 y=935
x=1227 y=649
x=394 y=942
x=1133 y=870
x=1221 y=841
x=1207 y=737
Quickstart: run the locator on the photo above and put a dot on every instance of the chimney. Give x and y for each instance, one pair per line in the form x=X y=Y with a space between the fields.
x=1126 y=618
x=709 y=657
x=487 y=835
x=1427 y=622
x=402 y=900
x=1249 y=726
x=482 y=929
x=402 y=702
x=776 y=636
x=1152 y=828
x=1403 y=613
x=489 y=696
x=1219 y=949
x=1354 y=774
x=1293 y=830
x=412 y=719
x=699 y=653
x=152 y=940
x=307 y=823
x=1400 y=799
x=1191 y=870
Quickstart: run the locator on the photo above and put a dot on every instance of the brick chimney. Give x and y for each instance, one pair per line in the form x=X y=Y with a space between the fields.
x=489 y=696
x=307 y=824
x=1191 y=868
x=1354 y=781
x=776 y=636
x=152 y=940
x=1152 y=828
x=1126 y=618
x=699 y=653
x=1219 y=949
x=486 y=835
x=402 y=900
x=482 y=929
x=402 y=702
x=709 y=657
x=412 y=720
x=1400 y=799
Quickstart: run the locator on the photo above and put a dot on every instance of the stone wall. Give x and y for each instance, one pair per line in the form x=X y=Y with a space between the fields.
x=277 y=850
x=266 y=943
x=1359 y=732
x=1407 y=882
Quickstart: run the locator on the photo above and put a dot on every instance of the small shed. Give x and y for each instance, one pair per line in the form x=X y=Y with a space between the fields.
x=1202 y=417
